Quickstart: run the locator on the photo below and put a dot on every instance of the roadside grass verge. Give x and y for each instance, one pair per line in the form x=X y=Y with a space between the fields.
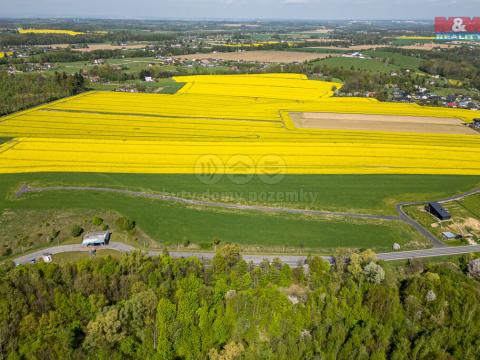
x=74 y=256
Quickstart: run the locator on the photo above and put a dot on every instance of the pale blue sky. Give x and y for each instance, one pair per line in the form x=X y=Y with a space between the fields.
x=241 y=9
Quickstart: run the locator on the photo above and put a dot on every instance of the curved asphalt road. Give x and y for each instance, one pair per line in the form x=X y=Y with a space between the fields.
x=292 y=260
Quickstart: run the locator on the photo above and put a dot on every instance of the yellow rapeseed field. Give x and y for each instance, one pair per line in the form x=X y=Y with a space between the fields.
x=258 y=44
x=406 y=37
x=243 y=117
x=50 y=31
x=7 y=53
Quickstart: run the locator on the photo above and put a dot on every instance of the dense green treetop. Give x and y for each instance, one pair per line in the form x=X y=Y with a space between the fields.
x=163 y=308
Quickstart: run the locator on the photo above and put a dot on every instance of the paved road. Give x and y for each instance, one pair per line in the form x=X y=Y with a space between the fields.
x=403 y=215
x=70 y=248
x=292 y=260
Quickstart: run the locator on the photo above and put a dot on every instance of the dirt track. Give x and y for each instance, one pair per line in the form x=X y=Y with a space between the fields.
x=389 y=123
x=260 y=56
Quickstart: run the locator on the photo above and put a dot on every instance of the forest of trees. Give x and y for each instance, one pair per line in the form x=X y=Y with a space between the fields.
x=21 y=91
x=12 y=38
x=461 y=63
x=163 y=308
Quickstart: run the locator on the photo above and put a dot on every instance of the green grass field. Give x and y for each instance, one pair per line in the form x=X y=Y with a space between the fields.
x=135 y=65
x=173 y=224
x=75 y=256
x=472 y=204
x=359 y=64
x=403 y=61
x=403 y=42
x=369 y=194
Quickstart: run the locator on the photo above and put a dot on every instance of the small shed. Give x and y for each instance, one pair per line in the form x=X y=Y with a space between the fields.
x=96 y=238
x=438 y=211
x=448 y=235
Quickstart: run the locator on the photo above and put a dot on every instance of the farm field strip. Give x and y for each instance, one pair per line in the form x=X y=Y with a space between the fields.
x=50 y=31
x=189 y=104
x=152 y=133
x=136 y=127
x=153 y=156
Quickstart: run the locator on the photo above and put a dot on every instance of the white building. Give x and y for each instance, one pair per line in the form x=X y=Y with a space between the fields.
x=46 y=258
x=96 y=238
x=355 y=54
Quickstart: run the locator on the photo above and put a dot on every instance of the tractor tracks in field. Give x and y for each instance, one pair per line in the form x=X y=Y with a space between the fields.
x=402 y=215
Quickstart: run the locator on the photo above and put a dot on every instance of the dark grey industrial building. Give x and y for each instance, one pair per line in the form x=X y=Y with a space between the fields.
x=438 y=211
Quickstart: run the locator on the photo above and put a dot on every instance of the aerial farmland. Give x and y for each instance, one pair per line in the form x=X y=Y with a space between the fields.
x=248 y=115
x=254 y=139
x=299 y=140
x=224 y=188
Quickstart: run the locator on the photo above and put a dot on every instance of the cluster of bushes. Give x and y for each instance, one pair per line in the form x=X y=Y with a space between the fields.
x=122 y=223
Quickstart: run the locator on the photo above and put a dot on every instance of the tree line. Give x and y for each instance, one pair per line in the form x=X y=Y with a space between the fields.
x=139 y=307
x=22 y=91
x=16 y=39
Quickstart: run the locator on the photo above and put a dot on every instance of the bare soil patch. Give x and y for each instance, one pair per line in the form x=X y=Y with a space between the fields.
x=259 y=56
x=388 y=123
